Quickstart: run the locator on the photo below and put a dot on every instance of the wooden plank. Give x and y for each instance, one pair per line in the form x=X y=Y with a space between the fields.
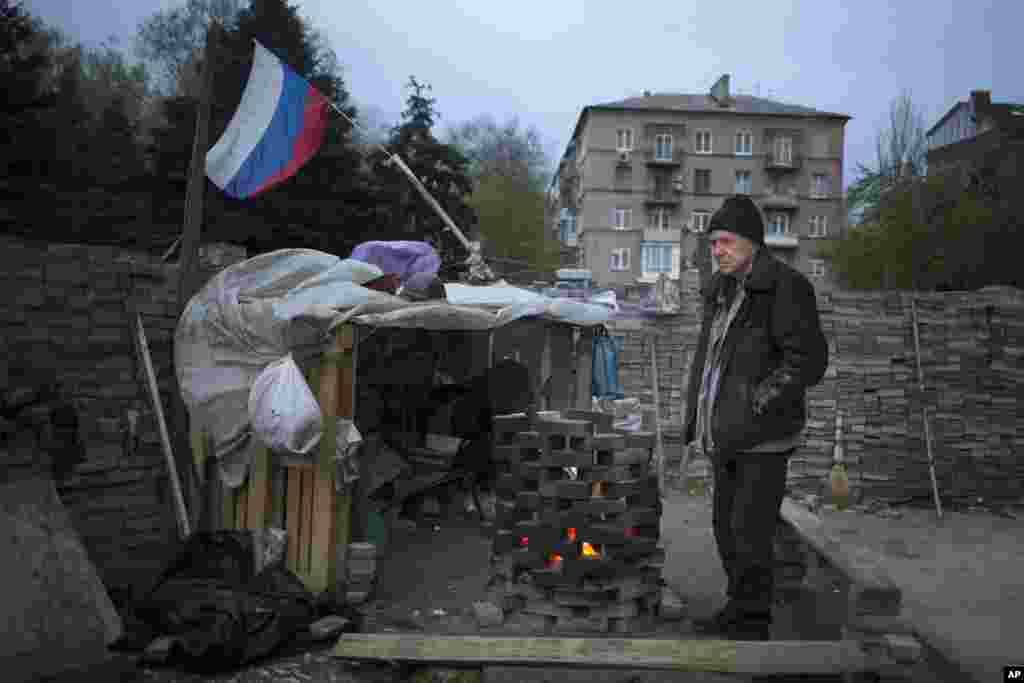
x=560 y=341
x=306 y=524
x=584 y=369
x=257 y=514
x=294 y=515
x=228 y=506
x=707 y=656
x=181 y=514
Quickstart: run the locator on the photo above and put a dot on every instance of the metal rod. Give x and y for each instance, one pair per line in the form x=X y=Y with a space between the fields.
x=924 y=410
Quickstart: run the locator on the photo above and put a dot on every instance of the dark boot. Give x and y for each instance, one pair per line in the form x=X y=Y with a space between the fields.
x=719 y=622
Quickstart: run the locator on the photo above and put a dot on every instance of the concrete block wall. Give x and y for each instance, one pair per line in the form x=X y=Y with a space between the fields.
x=66 y=323
x=972 y=355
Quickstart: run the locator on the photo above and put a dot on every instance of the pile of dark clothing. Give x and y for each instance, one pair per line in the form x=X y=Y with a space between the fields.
x=216 y=608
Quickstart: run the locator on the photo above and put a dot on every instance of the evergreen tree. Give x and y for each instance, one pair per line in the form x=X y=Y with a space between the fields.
x=443 y=170
x=24 y=66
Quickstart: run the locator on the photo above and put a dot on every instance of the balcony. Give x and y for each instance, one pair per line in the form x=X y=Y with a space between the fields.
x=785 y=241
x=773 y=162
x=780 y=200
x=662 y=198
x=651 y=158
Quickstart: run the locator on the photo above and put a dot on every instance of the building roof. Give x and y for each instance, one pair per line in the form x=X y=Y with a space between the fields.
x=1005 y=114
x=740 y=104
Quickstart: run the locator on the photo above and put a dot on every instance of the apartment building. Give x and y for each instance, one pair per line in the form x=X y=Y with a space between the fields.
x=641 y=177
x=978 y=134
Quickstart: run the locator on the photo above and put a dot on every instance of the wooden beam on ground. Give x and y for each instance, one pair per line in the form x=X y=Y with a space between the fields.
x=708 y=656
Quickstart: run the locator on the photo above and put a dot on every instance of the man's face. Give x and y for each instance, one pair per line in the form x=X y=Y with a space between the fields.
x=732 y=252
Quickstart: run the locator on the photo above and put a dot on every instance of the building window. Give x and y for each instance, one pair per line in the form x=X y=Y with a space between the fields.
x=703 y=142
x=819 y=226
x=663 y=147
x=625 y=140
x=702 y=181
x=784 y=151
x=567 y=227
x=659 y=219
x=817 y=267
x=620 y=259
x=623 y=219
x=822 y=186
x=701 y=221
x=743 y=182
x=778 y=224
x=657 y=257
x=744 y=143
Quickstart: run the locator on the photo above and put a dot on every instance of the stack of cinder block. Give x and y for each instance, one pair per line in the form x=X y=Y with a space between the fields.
x=361 y=572
x=576 y=541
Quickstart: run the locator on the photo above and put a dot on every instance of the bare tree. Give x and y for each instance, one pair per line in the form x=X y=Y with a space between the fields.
x=171 y=38
x=901 y=147
x=900 y=150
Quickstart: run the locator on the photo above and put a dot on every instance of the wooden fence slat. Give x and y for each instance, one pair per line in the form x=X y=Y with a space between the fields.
x=294 y=517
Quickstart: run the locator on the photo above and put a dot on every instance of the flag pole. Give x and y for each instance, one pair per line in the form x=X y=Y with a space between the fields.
x=477 y=266
x=188 y=271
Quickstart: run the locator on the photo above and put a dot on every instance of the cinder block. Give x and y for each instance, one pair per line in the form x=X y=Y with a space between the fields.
x=581 y=624
x=72 y=271
x=672 y=607
x=488 y=614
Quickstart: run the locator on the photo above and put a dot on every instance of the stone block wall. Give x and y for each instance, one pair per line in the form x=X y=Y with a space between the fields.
x=67 y=339
x=972 y=357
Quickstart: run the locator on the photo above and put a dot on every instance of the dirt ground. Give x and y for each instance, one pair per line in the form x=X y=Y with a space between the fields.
x=961 y=580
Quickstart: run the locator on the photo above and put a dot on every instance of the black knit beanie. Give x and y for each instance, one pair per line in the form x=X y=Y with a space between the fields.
x=740 y=215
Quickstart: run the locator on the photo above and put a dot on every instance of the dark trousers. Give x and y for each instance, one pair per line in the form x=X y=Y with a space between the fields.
x=748 y=495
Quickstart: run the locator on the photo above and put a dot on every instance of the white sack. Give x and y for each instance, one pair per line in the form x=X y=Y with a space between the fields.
x=283 y=411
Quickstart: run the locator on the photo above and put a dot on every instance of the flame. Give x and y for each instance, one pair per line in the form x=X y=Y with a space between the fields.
x=571 y=534
x=590 y=551
x=554 y=561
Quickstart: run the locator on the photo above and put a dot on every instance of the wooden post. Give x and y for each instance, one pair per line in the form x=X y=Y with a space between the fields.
x=584 y=369
x=189 y=257
x=330 y=511
x=659 y=447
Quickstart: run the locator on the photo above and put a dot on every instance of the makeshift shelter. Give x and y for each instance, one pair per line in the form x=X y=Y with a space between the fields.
x=315 y=307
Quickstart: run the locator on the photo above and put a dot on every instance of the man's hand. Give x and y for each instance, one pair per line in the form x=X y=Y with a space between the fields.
x=769 y=390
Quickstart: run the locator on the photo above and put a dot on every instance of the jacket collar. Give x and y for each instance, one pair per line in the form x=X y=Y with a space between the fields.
x=762 y=277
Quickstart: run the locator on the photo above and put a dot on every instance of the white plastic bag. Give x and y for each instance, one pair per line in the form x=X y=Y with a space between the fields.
x=283 y=411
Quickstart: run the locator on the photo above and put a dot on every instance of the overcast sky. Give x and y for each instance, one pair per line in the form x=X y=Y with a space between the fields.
x=544 y=61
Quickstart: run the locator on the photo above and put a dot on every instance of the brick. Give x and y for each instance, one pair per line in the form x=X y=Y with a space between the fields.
x=671 y=607
x=488 y=614
x=581 y=624
x=112 y=318
x=75 y=272
x=562 y=427
x=23 y=293
x=566 y=459
x=629 y=456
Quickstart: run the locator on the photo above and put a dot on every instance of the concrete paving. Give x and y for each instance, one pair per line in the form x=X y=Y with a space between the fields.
x=962 y=579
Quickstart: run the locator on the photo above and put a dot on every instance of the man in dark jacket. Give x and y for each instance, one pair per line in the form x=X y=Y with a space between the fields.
x=760 y=347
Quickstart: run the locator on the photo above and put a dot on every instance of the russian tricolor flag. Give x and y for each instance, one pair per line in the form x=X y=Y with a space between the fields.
x=278 y=127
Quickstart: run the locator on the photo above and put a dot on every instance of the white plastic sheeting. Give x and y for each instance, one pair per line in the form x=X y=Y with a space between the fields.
x=255 y=312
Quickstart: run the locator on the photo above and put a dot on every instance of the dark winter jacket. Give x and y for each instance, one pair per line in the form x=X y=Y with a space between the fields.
x=772 y=352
